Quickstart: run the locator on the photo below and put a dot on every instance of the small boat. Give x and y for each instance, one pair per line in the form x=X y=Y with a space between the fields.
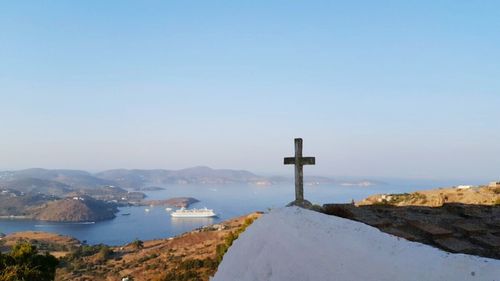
x=147 y=210
x=126 y=214
x=168 y=209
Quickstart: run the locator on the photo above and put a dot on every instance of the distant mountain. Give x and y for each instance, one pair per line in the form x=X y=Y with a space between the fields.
x=74 y=179
x=14 y=204
x=34 y=185
x=202 y=174
x=135 y=178
x=66 y=182
x=108 y=185
x=195 y=175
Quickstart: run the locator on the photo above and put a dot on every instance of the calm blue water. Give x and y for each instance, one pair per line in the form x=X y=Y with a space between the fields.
x=227 y=200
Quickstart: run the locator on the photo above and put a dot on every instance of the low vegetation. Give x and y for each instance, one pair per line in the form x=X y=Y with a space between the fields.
x=192 y=270
x=202 y=269
x=394 y=199
x=228 y=241
x=137 y=244
x=192 y=256
x=496 y=190
x=497 y=201
x=24 y=262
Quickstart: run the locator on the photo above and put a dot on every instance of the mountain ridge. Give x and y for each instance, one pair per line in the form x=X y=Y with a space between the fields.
x=60 y=181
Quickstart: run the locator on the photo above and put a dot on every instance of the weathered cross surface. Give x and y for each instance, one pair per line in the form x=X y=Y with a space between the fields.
x=299 y=161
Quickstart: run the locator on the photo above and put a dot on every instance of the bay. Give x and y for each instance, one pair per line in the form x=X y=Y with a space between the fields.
x=228 y=201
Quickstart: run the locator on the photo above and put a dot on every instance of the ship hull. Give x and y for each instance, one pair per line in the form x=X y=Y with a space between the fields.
x=193 y=215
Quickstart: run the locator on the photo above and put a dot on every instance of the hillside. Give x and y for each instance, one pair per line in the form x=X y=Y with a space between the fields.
x=60 y=183
x=178 y=202
x=295 y=244
x=458 y=220
x=37 y=206
x=78 y=209
x=57 y=245
x=75 y=179
x=15 y=204
x=480 y=195
x=191 y=256
x=109 y=193
x=36 y=185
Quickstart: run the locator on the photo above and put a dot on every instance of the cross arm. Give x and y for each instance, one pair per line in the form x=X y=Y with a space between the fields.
x=302 y=161
x=308 y=161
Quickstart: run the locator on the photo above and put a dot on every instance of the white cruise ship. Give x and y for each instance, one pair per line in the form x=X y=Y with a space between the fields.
x=193 y=213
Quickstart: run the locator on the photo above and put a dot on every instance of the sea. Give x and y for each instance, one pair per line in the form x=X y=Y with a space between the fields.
x=228 y=201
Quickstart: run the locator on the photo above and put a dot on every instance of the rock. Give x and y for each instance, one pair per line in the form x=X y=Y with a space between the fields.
x=456 y=245
x=430 y=229
x=301 y=203
x=339 y=210
x=487 y=240
x=470 y=227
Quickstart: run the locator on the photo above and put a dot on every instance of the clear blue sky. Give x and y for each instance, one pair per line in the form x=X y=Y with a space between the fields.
x=375 y=88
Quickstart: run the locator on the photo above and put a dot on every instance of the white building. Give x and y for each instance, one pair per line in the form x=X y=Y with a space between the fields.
x=495 y=184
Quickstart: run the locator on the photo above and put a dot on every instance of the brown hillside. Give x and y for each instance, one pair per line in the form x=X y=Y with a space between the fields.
x=481 y=195
x=458 y=220
x=76 y=210
x=190 y=256
x=57 y=245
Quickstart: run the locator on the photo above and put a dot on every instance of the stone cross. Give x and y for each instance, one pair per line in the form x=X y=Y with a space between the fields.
x=299 y=163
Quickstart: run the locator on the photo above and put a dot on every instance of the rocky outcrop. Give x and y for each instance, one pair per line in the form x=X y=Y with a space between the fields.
x=461 y=219
x=456 y=228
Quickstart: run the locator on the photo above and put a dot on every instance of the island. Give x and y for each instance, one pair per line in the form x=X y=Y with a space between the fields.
x=78 y=208
x=49 y=208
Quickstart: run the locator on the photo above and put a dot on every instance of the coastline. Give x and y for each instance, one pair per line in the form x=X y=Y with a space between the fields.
x=16 y=218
